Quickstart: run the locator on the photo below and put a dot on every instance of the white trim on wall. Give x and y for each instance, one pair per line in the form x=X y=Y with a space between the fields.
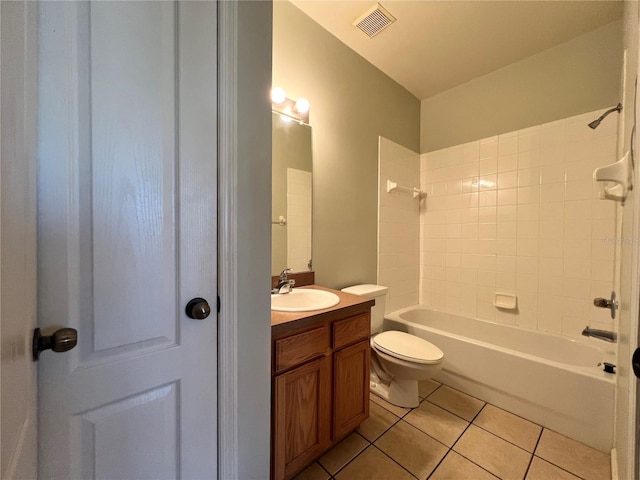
x=244 y=236
x=227 y=236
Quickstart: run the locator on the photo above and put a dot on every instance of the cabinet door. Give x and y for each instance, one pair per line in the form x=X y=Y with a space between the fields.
x=302 y=416
x=350 y=388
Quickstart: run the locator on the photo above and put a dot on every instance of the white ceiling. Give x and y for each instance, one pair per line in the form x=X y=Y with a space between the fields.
x=436 y=45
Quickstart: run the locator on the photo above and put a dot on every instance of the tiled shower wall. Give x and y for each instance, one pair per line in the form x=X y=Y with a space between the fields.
x=519 y=213
x=398 y=225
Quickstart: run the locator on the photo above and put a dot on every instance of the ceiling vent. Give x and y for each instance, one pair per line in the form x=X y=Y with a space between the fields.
x=374 y=21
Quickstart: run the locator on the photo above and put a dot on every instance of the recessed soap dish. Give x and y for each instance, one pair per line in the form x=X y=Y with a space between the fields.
x=506 y=301
x=617 y=177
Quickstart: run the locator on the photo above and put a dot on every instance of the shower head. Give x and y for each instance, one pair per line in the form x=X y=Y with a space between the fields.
x=595 y=123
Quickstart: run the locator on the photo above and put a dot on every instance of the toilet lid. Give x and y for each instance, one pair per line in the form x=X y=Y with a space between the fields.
x=407 y=347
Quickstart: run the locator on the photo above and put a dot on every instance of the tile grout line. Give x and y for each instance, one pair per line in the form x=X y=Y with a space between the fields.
x=423 y=432
x=508 y=441
x=562 y=468
x=361 y=452
x=393 y=460
x=462 y=434
x=485 y=429
x=322 y=467
x=439 y=463
x=399 y=419
x=469 y=423
x=385 y=430
x=474 y=463
x=402 y=419
x=449 y=449
x=454 y=413
x=550 y=462
x=534 y=452
x=354 y=457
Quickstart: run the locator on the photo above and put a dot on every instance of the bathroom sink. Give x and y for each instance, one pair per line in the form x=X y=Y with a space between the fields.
x=303 y=300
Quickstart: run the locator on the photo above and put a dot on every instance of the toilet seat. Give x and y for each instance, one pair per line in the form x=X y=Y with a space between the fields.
x=405 y=346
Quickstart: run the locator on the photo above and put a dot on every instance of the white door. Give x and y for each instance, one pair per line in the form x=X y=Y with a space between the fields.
x=18 y=418
x=127 y=236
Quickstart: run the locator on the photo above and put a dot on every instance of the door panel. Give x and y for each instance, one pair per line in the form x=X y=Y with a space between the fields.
x=127 y=235
x=132 y=107
x=99 y=431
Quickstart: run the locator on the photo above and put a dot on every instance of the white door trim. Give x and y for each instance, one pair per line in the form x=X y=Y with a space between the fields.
x=244 y=238
x=227 y=242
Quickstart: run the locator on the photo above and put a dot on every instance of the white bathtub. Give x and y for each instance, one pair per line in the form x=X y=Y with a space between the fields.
x=554 y=381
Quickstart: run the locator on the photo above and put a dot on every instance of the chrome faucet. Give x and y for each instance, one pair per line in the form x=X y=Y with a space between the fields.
x=605 y=335
x=284 y=284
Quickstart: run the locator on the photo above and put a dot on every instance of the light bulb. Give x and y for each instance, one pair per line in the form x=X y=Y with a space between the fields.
x=286 y=118
x=302 y=105
x=278 y=95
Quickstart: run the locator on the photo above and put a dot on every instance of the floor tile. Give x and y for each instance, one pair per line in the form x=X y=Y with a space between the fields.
x=378 y=422
x=461 y=404
x=343 y=453
x=510 y=427
x=437 y=422
x=427 y=387
x=398 y=411
x=541 y=470
x=456 y=467
x=313 y=472
x=498 y=456
x=414 y=450
x=575 y=457
x=372 y=463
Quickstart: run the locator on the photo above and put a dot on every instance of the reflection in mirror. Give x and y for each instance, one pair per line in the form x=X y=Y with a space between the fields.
x=291 y=195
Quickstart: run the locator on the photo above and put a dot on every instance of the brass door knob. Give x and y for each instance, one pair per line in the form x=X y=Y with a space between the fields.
x=197 y=308
x=62 y=340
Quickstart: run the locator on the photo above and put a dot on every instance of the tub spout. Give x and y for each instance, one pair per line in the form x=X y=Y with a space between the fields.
x=605 y=335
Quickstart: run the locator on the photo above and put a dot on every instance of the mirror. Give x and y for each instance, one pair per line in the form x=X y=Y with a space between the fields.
x=291 y=180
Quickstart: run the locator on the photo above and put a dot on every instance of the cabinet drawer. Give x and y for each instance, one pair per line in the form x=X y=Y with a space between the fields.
x=350 y=330
x=299 y=348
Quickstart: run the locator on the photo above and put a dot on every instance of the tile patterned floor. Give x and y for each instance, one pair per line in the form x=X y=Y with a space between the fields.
x=452 y=436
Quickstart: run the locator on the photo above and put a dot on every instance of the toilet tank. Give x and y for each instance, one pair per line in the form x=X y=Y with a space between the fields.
x=377 y=292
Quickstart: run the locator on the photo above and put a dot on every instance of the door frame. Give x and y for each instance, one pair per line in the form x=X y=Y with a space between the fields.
x=19 y=65
x=244 y=238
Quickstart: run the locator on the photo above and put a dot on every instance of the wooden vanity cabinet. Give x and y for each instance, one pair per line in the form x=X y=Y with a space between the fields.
x=350 y=388
x=320 y=386
x=302 y=416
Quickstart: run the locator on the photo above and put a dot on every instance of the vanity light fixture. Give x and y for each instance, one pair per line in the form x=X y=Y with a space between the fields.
x=289 y=109
x=278 y=96
x=302 y=105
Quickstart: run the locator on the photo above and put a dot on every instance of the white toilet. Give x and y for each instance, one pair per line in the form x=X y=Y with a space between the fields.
x=398 y=360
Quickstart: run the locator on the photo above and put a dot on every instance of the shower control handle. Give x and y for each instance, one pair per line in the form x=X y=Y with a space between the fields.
x=611 y=304
x=602 y=302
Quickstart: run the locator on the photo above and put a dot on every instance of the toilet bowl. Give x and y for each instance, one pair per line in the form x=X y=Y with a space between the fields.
x=398 y=359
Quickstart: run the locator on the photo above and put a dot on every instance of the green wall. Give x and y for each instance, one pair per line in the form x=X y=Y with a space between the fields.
x=578 y=76
x=352 y=103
